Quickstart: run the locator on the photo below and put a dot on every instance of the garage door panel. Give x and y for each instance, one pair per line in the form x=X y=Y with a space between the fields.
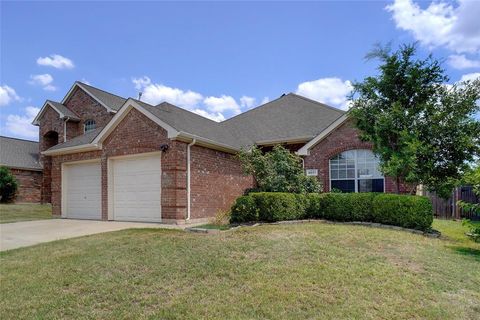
x=83 y=194
x=137 y=188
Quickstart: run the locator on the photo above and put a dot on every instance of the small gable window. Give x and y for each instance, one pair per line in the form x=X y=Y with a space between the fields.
x=89 y=125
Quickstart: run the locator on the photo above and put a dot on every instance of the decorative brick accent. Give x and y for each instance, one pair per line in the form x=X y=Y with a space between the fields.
x=29 y=185
x=343 y=138
x=216 y=178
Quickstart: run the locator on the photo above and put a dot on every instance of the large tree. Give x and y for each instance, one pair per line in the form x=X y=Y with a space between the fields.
x=422 y=128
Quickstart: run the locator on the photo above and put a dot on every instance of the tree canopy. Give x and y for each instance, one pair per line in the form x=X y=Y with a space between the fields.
x=422 y=128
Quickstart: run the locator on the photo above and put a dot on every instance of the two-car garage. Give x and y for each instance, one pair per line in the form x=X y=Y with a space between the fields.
x=133 y=187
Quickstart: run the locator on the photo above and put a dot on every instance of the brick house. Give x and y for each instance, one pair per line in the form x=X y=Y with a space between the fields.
x=110 y=158
x=22 y=158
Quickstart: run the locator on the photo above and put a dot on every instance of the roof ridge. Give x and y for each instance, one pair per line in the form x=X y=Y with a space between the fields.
x=188 y=111
x=256 y=108
x=90 y=86
x=320 y=104
x=20 y=139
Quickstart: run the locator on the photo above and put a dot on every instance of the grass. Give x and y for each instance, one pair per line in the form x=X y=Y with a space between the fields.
x=24 y=212
x=214 y=226
x=312 y=270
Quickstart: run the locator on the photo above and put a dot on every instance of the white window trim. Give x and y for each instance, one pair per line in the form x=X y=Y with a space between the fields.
x=85 y=125
x=356 y=178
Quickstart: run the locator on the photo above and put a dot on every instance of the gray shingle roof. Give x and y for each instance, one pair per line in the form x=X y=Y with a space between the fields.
x=289 y=117
x=18 y=153
x=189 y=122
x=63 y=109
x=78 y=140
x=111 y=100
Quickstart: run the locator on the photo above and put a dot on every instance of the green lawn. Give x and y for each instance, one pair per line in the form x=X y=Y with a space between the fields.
x=24 y=212
x=294 y=271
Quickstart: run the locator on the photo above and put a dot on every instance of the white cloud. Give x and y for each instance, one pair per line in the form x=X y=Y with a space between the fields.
x=331 y=91
x=21 y=125
x=247 y=102
x=141 y=83
x=265 y=100
x=44 y=80
x=212 y=116
x=222 y=104
x=56 y=61
x=7 y=95
x=470 y=76
x=210 y=107
x=441 y=24
x=462 y=62
x=156 y=93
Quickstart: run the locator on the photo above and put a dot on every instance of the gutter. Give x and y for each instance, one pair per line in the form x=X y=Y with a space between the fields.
x=185 y=136
x=189 y=204
x=73 y=149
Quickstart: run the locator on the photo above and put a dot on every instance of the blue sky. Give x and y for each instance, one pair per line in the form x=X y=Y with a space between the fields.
x=215 y=58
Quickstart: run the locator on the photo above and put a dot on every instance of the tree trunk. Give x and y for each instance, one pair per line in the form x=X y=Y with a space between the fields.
x=397 y=191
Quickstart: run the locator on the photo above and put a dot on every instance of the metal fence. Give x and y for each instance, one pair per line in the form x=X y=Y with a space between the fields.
x=449 y=208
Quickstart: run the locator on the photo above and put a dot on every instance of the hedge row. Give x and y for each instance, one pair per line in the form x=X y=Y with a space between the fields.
x=399 y=210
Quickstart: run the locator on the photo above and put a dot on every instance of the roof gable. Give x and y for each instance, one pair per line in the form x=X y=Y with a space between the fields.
x=109 y=101
x=63 y=112
x=290 y=117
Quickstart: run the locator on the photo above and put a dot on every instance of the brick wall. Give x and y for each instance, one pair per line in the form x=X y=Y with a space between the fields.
x=83 y=105
x=29 y=185
x=216 y=181
x=50 y=125
x=345 y=137
x=216 y=177
x=86 y=108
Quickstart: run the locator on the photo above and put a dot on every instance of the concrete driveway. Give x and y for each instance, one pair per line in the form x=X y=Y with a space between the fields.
x=24 y=234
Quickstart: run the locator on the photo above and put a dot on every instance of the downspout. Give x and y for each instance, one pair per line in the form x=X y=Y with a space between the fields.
x=65 y=128
x=188 y=178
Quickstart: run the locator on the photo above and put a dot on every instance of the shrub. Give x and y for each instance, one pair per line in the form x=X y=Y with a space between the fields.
x=398 y=210
x=413 y=212
x=8 y=185
x=278 y=206
x=244 y=210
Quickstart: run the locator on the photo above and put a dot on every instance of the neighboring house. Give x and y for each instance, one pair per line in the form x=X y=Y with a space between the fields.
x=22 y=158
x=110 y=158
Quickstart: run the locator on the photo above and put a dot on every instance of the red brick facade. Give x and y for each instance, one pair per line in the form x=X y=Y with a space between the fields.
x=52 y=130
x=29 y=185
x=343 y=138
x=85 y=107
x=216 y=177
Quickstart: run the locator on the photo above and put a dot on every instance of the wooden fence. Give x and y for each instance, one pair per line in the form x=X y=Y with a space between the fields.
x=449 y=209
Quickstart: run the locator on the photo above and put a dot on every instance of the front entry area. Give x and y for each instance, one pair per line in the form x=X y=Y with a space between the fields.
x=135 y=188
x=82 y=191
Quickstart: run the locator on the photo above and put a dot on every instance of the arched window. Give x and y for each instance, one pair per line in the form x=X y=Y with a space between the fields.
x=89 y=125
x=356 y=171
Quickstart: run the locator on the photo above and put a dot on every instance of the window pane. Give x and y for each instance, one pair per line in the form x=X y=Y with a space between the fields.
x=377 y=185
x=334 y=174
x=365 y=185
x=344 y=185
x=342 y=174
x=351 y=174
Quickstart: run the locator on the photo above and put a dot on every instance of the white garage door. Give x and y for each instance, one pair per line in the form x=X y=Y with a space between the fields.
x=83 y=194
x=137 y=188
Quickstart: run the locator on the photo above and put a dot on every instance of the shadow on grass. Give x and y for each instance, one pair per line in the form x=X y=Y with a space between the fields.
x=466 y=251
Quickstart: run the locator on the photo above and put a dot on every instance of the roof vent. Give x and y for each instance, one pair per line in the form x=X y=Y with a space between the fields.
x=283 y=95
x=140 y=96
